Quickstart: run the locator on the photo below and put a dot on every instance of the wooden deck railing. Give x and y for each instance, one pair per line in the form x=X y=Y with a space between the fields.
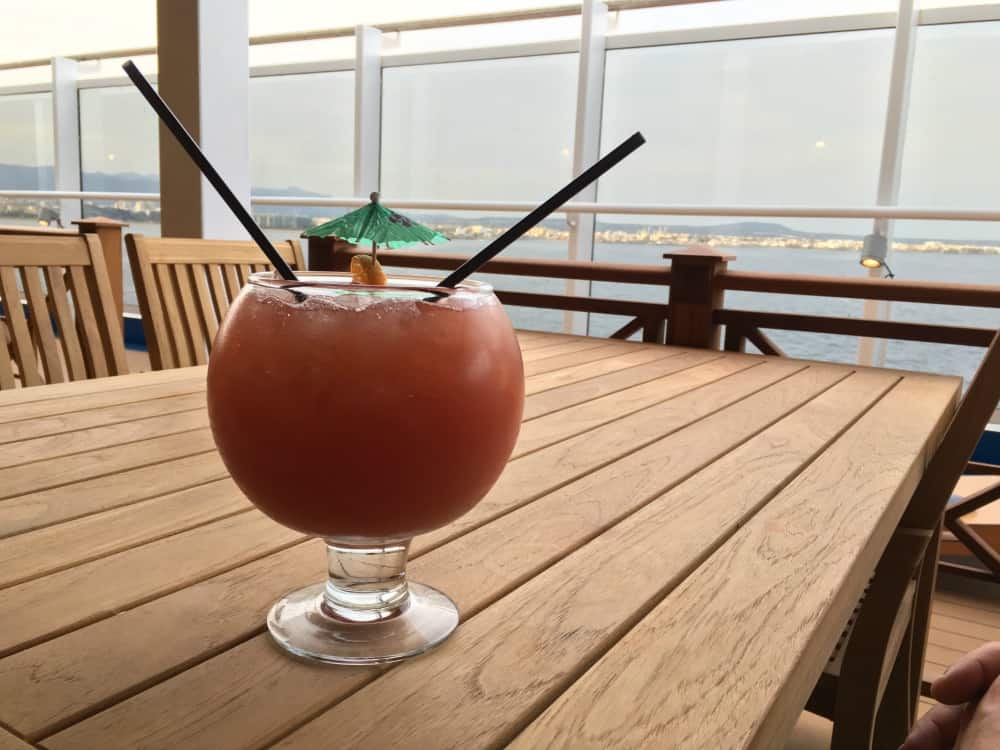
x=693 y=312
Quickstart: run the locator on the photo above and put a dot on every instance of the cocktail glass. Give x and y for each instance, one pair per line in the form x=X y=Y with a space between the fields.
x=365 y=415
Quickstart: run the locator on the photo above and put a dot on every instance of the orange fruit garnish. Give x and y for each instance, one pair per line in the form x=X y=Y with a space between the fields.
x=366 y=270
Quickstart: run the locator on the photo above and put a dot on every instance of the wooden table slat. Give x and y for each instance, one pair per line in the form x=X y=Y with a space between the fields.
x=101 y=417
x=540 y=480
x=665 y=511
x=629 y=358
x=491 y=565
x=545 y=470
x=47 y=606
x=740 y=613
x=56 y=547
x=548 y=469
x=531 y=342
x=521 y=652
x=78 y=467
x=568 y=347
x=571 y=394
x=78 y=406
x=573 y=358
x=9 y=741
x=96 y=386
x=543 y=431
x=127 y=487
x=106 y=436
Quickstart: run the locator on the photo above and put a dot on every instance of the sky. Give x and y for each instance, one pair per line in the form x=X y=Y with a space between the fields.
x=795 y=120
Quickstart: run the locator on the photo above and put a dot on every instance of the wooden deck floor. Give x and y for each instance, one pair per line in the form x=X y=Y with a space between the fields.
x=965 y=615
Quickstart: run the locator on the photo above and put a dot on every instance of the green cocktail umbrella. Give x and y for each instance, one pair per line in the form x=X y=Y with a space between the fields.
x=378 y=225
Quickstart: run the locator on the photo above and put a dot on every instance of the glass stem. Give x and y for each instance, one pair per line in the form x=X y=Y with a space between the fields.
x=366 y=582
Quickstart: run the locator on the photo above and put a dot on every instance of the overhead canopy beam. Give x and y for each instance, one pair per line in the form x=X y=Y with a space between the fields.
x=204 y=76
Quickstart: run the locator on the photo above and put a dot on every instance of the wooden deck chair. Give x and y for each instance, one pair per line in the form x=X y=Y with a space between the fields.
x=59 y=318
x=872 y=683
x=185 y=287
x=972 y=524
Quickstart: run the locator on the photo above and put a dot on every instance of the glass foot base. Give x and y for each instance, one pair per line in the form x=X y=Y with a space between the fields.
x=301 y=624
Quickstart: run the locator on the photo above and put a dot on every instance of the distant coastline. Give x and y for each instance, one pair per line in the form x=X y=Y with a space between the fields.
x=734 y=235
x=664 y=236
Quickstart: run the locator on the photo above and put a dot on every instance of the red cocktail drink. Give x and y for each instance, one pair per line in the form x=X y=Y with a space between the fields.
x=364 y=415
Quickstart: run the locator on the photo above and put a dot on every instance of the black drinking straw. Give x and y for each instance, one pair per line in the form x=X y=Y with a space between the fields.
x=575 y=185
x=188 y=144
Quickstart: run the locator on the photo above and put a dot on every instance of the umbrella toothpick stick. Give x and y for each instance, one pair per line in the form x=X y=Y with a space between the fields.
x=376 y=224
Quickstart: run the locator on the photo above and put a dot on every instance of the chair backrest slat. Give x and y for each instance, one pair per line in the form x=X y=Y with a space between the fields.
x=72 y=328
x=24 y=350
x=158 y=342
x=203 y=299
x=191 y=322
x=220 y=298
x=233 y=283
x=109 y=322
x=60 y=311
x=244 y=273
x=7 y=379
x=170 y=297
x=41 y=323
x=186 y=286
x=86 y=321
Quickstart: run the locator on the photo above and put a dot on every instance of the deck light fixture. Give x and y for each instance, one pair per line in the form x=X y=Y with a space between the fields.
x=874 y=252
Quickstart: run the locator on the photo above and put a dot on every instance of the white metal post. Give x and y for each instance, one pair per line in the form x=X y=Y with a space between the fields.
x=367 y=109
x=66 y=136
x=905 y=44
x=587 y=143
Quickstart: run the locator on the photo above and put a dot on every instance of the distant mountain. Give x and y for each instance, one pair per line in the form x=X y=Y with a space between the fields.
x=119 y=182
x=20 y=177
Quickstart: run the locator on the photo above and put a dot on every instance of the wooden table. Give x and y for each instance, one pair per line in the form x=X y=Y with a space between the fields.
x=666 y=562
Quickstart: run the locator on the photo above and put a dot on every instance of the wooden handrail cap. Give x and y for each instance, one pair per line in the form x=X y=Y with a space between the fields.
x=700 y=253
x=100 y=221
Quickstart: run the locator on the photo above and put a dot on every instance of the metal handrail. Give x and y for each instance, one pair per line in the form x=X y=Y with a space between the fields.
x=479 y=19
x=942 y=15
x=573 y=207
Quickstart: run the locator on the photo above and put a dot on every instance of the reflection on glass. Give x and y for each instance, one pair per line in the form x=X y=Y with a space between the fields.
x=773 y=121
x=26 y=142
x=302 y=134
x=301 y=143
x=789 y=120
x=487 y=130
x=119 y=153
x=26 y=158
x=119 y=139
x=951 y=133
x=952 y=126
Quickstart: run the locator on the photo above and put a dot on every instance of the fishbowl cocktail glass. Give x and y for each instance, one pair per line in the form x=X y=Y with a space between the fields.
x=364 y=415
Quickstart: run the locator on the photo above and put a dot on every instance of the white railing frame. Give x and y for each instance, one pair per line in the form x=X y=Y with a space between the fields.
x=367 y=157
x=767 y=29
x=869 y=211
x=586 y=145
x=871 y=352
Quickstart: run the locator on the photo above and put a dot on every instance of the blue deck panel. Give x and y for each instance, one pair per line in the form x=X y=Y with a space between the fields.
x=988 y=450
